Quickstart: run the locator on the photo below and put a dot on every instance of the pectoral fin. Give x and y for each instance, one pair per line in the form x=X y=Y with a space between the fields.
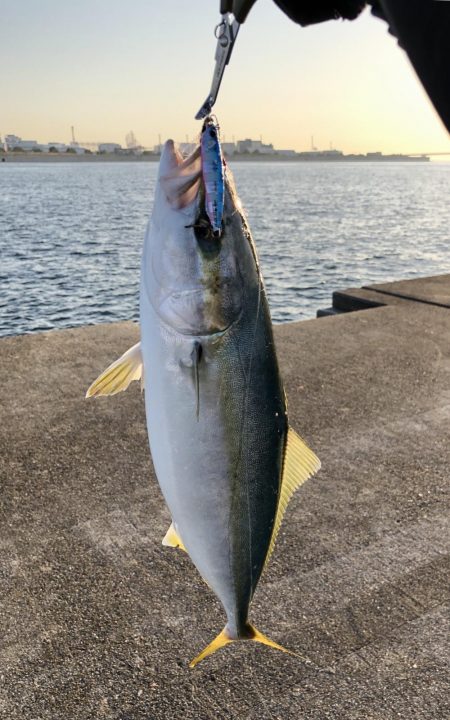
x=172 y=539
x=119 y=374
x=299 y=464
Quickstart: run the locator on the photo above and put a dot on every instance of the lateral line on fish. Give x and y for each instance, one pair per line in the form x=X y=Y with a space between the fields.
x=247 y=390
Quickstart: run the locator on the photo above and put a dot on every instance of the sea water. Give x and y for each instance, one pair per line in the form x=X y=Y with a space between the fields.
x=71 y=234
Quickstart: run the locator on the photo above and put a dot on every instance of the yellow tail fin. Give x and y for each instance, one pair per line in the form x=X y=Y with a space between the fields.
x=220 y=641
x=223 y=639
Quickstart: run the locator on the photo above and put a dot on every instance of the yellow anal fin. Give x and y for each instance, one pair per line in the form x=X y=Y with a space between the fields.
x=299 y=464
x=223 y=639
x=172 y=539
x=119 y=374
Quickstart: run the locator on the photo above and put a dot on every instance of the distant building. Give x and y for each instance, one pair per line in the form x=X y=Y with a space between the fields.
x=186 y=148
x=13 y=141
x=228 y=148
x=288 y=153
x=109 y=147
x=28 y=144
x=321 y=154
x=130 y=141
x=60 y=147
x=254 y=146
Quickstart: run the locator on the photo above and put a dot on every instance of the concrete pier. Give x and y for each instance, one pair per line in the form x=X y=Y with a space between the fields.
x=98 y=620
x=433 y=290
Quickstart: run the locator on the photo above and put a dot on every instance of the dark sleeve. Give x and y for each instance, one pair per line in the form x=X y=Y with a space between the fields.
x=308 y=12
x=423 y=30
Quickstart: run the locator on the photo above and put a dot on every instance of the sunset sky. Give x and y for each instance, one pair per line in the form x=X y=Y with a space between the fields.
x=108 y=67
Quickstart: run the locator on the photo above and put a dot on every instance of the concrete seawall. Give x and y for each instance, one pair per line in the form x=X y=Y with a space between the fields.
x=98 y=620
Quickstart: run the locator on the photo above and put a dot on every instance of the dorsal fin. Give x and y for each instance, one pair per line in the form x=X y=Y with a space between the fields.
x=299 y=464
x=119 y=374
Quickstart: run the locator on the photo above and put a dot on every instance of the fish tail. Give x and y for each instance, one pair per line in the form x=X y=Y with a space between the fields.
x=223 y=638
x=264 y=640
x=220 y=641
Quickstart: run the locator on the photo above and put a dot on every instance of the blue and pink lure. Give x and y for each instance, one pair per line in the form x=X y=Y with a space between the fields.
x=213 y=174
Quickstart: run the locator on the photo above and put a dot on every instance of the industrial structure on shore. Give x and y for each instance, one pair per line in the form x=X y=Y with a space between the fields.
x=244 y=149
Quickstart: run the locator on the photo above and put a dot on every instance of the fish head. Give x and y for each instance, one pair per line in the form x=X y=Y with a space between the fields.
x=194 y=280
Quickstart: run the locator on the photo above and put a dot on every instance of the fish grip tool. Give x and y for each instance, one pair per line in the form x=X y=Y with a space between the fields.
x=233 y=15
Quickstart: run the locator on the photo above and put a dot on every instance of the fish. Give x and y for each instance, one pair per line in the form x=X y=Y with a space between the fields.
x=224 y=454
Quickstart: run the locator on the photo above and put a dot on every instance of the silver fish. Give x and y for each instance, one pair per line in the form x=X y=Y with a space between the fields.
x=224 y=455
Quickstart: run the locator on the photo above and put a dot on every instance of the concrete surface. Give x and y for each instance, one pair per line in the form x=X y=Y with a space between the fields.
x=434 y=290
x=98 y=620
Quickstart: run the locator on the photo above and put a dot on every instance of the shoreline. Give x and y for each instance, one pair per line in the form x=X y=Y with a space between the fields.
x=30 y=157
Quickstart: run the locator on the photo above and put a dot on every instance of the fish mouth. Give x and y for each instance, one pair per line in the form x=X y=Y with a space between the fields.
x=179 y=177
x=182 y=182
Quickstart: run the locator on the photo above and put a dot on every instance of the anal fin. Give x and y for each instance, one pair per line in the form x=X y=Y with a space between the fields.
x=172 y=539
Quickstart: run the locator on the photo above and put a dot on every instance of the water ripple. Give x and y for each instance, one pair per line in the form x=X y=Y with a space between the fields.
x=71 y=235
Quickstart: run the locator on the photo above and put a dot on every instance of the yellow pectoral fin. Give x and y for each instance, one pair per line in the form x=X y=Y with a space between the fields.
x=119 y=374
x=172 y=539
x=299 y=464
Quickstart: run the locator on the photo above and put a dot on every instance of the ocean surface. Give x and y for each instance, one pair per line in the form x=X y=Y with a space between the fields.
x=71 y=234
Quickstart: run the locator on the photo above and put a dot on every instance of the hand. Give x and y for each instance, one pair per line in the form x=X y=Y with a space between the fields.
x=309 y=12
x=239 y=8
x=304 y=12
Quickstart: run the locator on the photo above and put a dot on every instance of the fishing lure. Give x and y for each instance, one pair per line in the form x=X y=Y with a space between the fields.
x=213 y=174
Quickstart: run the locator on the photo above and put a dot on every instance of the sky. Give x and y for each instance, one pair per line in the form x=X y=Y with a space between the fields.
x=108 y=67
